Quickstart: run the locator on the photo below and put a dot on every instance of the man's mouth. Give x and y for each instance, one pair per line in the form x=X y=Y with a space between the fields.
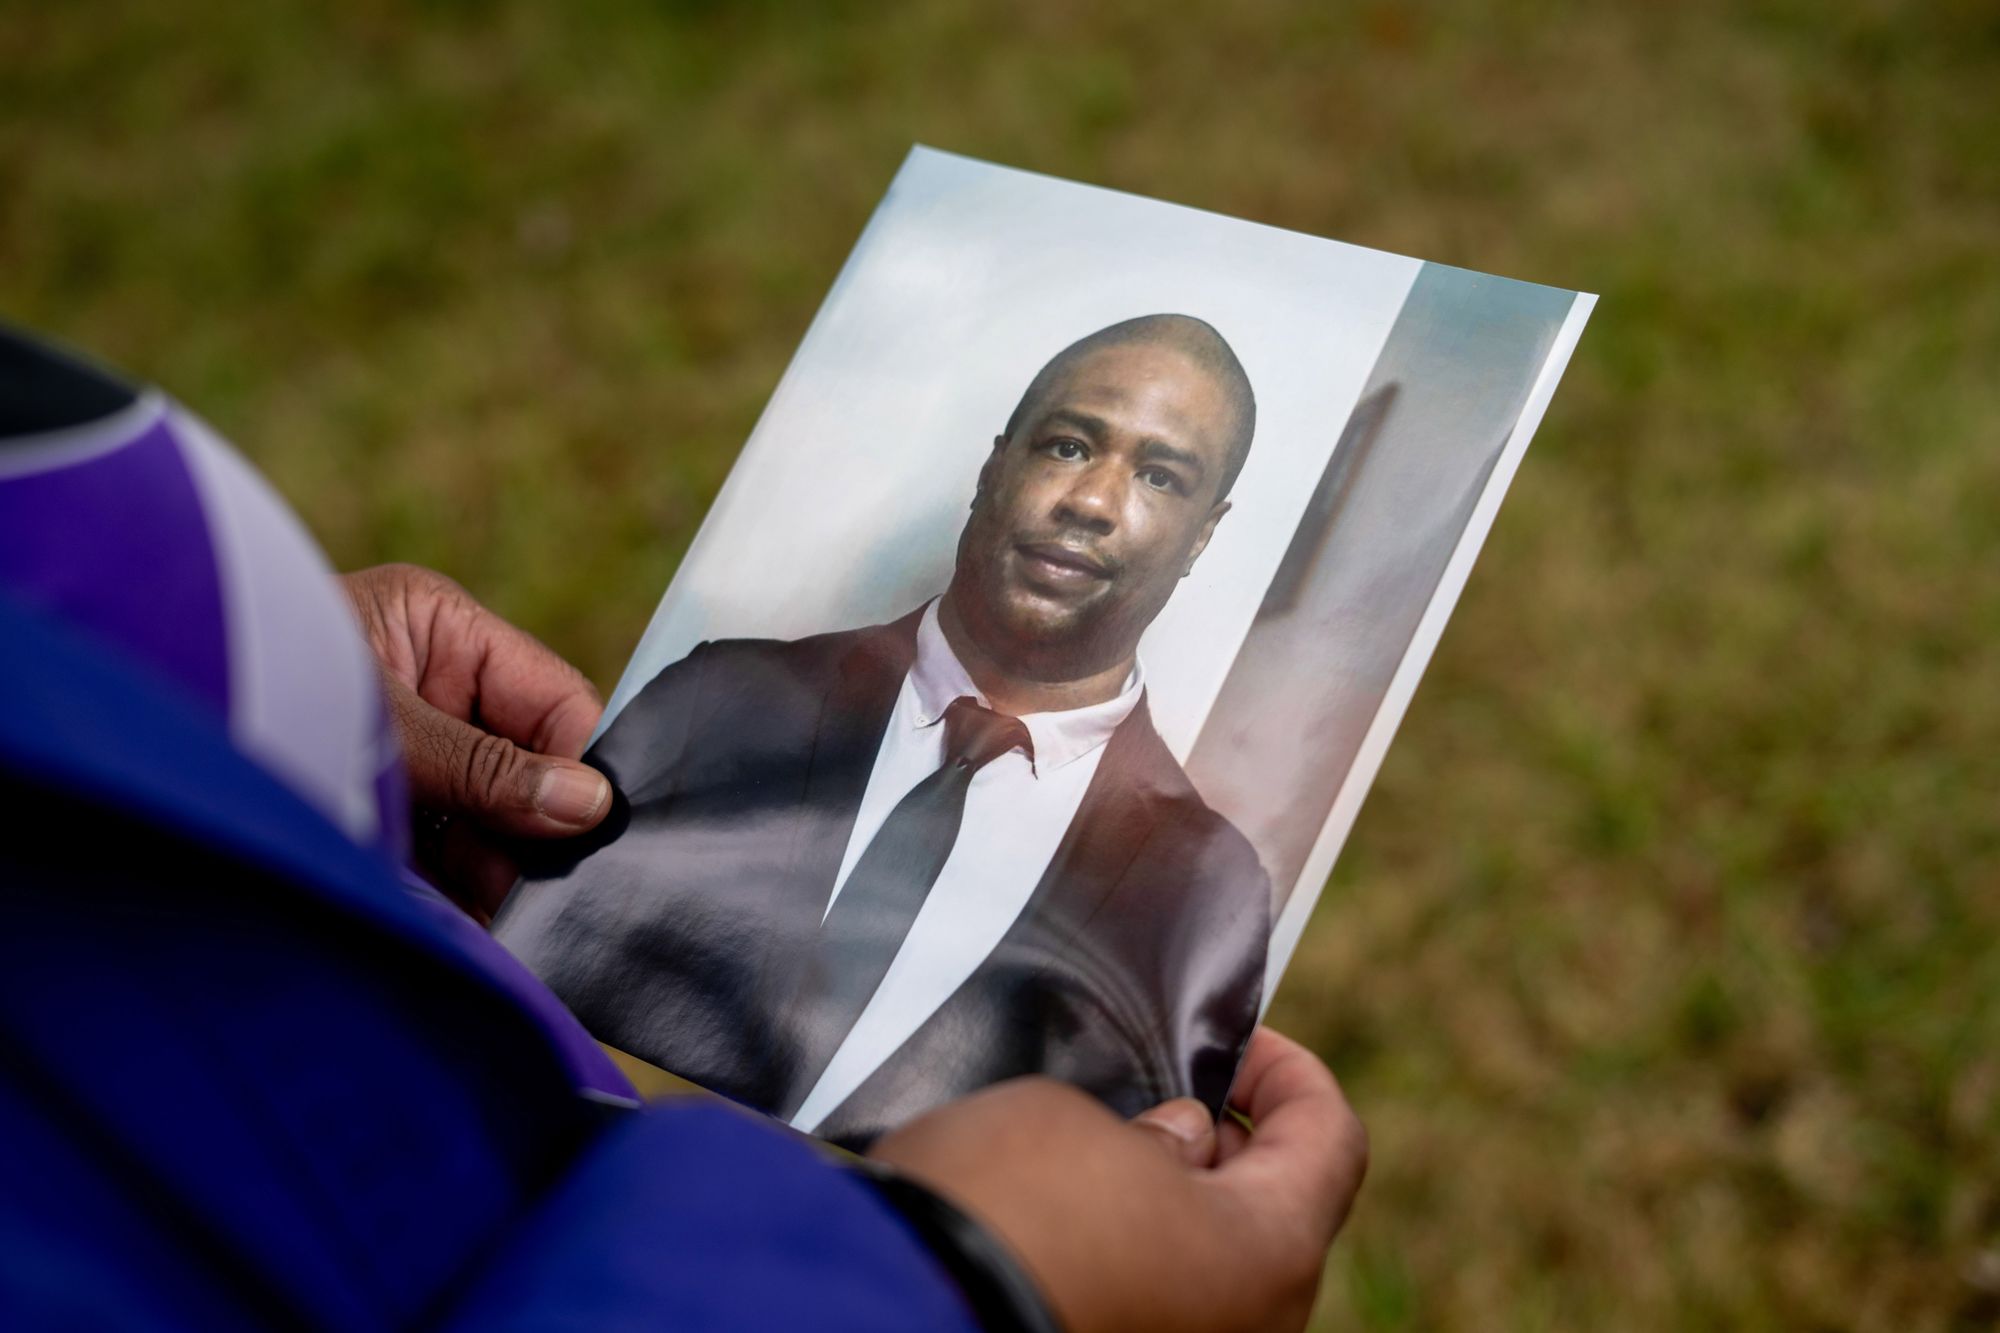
x=1061 y=566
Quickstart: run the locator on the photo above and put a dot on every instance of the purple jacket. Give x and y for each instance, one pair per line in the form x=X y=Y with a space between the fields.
x=249 y=1075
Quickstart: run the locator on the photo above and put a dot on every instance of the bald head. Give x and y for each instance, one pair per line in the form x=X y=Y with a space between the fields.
x=1192 y=338
x=1097 y=501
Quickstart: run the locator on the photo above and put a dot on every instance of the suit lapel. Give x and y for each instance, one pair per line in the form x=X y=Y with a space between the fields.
x=1111 y=824
x=846 y=736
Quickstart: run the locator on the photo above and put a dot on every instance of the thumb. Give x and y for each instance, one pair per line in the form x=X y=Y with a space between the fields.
x=487 y=779
x=1183 y=1127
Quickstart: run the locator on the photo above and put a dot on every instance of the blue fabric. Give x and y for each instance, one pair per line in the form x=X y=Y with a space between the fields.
x=247 y=1081
x=604 y=1253
x=80 y=718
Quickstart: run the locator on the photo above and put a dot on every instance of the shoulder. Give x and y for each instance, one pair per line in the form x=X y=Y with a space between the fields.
x=732 y=664
x=814 y=652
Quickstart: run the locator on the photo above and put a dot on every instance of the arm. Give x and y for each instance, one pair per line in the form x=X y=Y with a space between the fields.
x=697 y=1215
x=1227 y=980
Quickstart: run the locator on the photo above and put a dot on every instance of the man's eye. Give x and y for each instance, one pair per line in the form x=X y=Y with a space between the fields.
x=1160 y=479
x=1067 y=450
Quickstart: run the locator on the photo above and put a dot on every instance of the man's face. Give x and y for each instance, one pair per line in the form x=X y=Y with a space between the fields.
x=1088 y=516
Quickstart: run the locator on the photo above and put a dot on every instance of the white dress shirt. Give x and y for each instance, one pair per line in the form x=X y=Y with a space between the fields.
x=1016 y=813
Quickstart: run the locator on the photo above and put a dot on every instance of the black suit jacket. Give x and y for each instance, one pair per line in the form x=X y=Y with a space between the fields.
x=1135 y=971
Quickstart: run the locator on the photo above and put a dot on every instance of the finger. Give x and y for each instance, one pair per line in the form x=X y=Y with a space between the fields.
x=479 y=666
x=1183 y=1127
x=1232 y=1136
x=1306 y=1145
x=458 y=768
x=1277 y=1076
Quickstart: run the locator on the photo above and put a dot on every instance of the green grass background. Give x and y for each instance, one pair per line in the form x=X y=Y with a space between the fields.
x=1662 y=960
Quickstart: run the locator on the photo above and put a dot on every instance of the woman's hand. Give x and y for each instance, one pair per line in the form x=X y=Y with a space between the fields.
x=1162 y=1222
x=491 y=722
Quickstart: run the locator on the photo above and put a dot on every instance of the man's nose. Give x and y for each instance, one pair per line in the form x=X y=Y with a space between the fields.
x=1091 y=501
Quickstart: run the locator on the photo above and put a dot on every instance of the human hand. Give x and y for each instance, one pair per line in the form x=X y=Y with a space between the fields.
x=1162 y=1222
x=491 y=723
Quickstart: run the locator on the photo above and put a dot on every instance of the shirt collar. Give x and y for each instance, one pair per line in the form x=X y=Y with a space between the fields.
x=1060 y=738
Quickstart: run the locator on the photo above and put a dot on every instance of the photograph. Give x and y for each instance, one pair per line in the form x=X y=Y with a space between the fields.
x=1008 y=712
x=1300 y=668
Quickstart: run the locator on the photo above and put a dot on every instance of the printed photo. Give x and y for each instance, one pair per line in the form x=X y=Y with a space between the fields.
x=1009 y=710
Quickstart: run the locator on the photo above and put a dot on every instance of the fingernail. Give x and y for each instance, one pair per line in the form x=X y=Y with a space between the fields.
x=1186 y=1121
x=571 y=795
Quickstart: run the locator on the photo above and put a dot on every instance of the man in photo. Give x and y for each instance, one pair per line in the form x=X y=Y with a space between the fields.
x=852 y=876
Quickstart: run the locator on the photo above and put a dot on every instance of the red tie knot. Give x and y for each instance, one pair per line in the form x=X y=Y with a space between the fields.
x=974 y=735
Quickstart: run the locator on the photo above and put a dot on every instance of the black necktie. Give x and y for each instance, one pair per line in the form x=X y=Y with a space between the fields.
x=875 y=907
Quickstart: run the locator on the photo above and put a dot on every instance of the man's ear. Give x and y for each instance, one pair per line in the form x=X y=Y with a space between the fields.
x=989 y=470
x=1207 y=531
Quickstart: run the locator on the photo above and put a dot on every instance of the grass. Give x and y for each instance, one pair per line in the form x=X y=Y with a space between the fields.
x=1662 y=963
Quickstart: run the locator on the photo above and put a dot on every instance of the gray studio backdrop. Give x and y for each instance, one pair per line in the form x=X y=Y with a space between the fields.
x=1366 y=561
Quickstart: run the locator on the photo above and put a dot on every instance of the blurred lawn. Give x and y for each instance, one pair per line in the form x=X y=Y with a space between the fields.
x=1663 y=960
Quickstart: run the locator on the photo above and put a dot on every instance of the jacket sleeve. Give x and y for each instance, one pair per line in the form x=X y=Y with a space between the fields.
x=1226 y=981
x=697 y=1216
